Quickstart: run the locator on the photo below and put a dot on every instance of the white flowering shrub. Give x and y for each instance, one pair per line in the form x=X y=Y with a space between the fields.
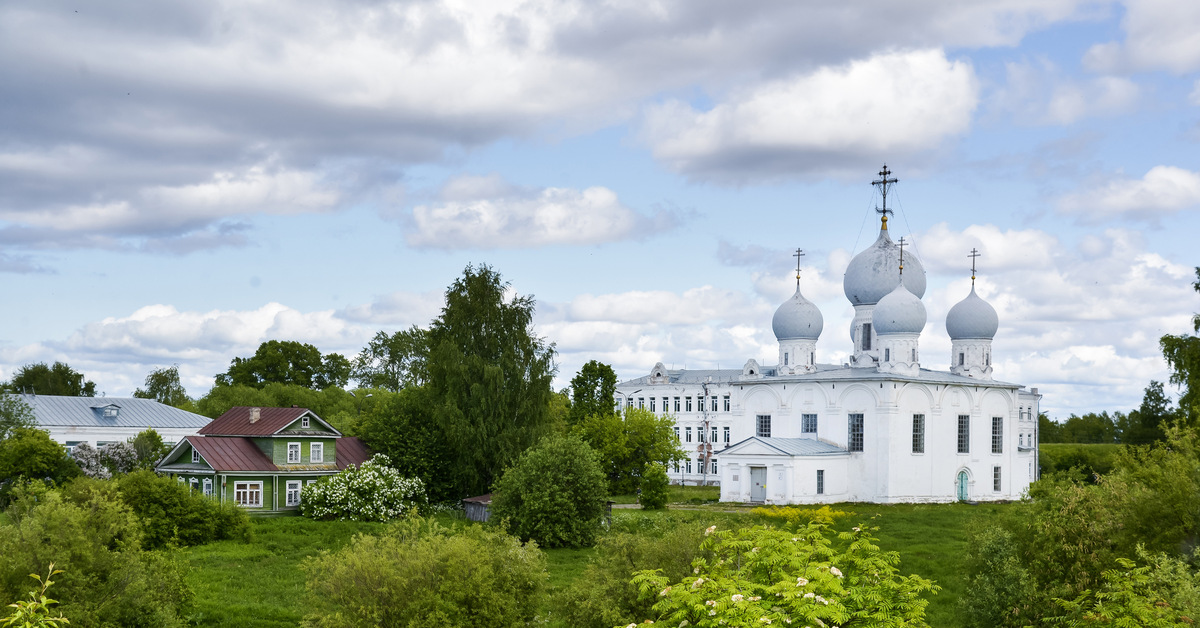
x=90 y=461
x=371 y=492
x=119 y=457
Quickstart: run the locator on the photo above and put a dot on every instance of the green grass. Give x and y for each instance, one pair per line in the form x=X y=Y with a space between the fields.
x=680 y=495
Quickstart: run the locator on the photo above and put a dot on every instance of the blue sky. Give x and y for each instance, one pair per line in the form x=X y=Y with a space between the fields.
x=182 y=181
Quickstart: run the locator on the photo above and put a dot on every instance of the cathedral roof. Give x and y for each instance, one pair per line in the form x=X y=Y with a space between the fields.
x=823 y=373
x=874 y=272
x=797 y=318
x=972 y=318
x=900 y=312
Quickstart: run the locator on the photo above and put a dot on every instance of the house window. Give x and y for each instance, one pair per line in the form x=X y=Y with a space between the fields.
x=293 y=452
x=71 y=445
x=714 y=403
x=689 y=465
x=629 y=402
x=688 y=404
x=726 y=434
x=195 y=455
x=700 y=433
x=855 y=439
x=676 y=432
x=997 y=435
x=918 y=433
x=293 y=493
x=763 y=426
x=677 y=404
x=652 y=404
x=714 y=466
x=964 y=433
x=208 y=487
x=866 y=339
x=688 y=431
x=194 y=483
x=714 y=435
x=304 y=423
x=820 y=481
x=726 y=403
x=808 y=424
x=247 y=494
x=996 y=479
x=316 y=453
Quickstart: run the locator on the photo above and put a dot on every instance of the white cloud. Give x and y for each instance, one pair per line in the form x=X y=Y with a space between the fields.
x=1163 y=190
x=1159 y=34
x=890 y=103
x=1037 y=92
x=487 y=213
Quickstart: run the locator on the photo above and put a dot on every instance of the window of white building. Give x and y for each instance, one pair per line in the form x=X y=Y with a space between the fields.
x=997 y=435
x=855 y=440
x=918 y=434
x=964 y=433
x=762 y=426
x=808 y=424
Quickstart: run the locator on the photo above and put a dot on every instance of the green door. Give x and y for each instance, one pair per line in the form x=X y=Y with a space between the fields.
x=962 y=486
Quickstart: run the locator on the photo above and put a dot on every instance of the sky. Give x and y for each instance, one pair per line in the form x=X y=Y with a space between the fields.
x=181 y=181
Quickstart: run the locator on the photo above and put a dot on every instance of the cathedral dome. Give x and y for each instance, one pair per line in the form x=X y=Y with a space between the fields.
x=972 y=318
x=797 y=318
x=899 y=312
x=874 y=272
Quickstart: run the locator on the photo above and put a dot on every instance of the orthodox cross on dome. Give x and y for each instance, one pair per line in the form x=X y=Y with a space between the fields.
x=974 y=253
x=798 y=254
x=884 y=184
x=902 y=243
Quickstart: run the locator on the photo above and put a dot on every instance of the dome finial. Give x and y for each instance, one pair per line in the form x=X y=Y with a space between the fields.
x=884 y=184
x=902 y=243
x=974 y=253
x=798 y=254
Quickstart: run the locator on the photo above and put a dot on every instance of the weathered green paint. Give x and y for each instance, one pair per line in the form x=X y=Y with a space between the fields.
x=313 y=426
x=278 y=453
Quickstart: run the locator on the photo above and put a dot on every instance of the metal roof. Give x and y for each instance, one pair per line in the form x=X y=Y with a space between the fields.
x=236 y=421
x=791 y=446
x=231 y=454
x=824 y=373
x=351 y=451
x=54 y=410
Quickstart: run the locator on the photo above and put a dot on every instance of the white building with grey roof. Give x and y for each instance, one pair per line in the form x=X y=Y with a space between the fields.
x=101 y=420
x=878 y=428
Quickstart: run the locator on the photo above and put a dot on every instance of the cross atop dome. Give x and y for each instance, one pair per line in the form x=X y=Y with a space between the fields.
x=902 y=243
x=798 y=254
x=884 y=183
x=974 y=253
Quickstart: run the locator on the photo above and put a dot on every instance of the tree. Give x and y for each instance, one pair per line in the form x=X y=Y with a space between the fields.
x=287 y=362
x=1049 y=431
x=326 y=403
x=14 y=415
x=554 y=495
x=489 y=379
x=1145 y=425
x=592 y=391
x=627 y=443
x=149 y=447
x=654 y=487
x=31 y=453
x=1182 y=353
x=393 y=362
x=59 y=379
x=163 y=386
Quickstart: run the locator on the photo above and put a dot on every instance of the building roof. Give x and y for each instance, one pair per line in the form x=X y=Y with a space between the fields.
x=351 y=451
x=231 y=454
x=824 y=372
x=62 y=411
x=790 y=446
x=237 y=421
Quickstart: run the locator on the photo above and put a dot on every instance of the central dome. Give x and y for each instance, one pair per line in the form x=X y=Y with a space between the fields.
x=797 y=318
x=876 y=271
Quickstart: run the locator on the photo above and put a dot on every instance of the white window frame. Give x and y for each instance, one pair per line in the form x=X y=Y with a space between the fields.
x=208 y=487
x=292 y=497
x=293 y=447
x=316 y=453
x=304 y=423
x=248 y=494
x=195 y=455
x=808 y=424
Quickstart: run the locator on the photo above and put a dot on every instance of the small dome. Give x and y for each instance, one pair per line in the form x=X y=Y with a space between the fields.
x=874 y=272
x=797 y=318
x=972 y=318
x=899 y=312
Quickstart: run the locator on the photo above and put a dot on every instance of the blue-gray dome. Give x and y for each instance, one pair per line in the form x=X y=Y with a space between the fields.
x=972 y=318
x=797 y=318
x=899 y=312
x=873 y=273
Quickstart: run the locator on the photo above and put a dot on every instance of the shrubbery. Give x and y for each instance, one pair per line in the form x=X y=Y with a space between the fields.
x=654 y=487
x=173 y=514
x=555 y=494
x=421 y=574
x=371 y=492
x=1088 y=460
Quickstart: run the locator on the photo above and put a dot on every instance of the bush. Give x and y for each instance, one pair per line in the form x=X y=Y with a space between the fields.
x=30 y=453
x=420 y=574
x=654 y=487
x=999 y=589
x=371 y=492
x=1089 y=460
x=173 y=514
x=555 y=494
x=108 y=579
x=149 y=448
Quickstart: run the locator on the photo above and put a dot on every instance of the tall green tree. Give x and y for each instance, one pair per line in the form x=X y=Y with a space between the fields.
x=1183 y=356
x=59 y=379
x=14 y=414
x=31 y=453
x=628 y=444
x=287 y=362
x=1146 y=424
x=393 y=361
x=489 y=378
x=163 y=386
x=592 y=391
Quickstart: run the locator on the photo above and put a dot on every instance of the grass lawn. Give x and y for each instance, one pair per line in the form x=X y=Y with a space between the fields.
x=680 y=495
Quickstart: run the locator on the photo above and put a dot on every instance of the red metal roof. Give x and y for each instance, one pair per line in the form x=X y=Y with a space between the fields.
x=232 y=454
x=351 y=451
x=236 y=421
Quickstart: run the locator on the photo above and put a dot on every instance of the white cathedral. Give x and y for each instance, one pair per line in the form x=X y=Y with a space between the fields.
x=878 y=428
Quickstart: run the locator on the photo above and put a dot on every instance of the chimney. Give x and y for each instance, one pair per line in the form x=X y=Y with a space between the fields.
x=255 y=414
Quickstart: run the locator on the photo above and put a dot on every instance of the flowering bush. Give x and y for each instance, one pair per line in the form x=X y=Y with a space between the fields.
x=90 y=461
x=761 y=575
x=119 y=457
x=371 y=492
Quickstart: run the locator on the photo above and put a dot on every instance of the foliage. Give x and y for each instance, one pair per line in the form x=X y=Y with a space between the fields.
x=108 y=579
x=326 y=403
x=149 y=448
x=1127 y=597
x=1089 y=461
x=803 y=514
x=287 y=362
x=15 y=414
x=163 y=386
x=172 y=514
x=763 y=575
x=1182 y=353
x=626 y=443
x=554 y=494
x=592 y=391
x=488 y=379
x=90 y=461
x=654 y=487
x=1146 y=424
x=119 y=457
x=35 y=612
x=393 y=362
x=422 y=574
x=401 y=426
x=373 y=491
x=31 y=453
x=999 y=590
x=59 y=379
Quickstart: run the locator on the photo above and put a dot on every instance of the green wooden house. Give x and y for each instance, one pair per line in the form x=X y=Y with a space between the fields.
x=260 y=458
